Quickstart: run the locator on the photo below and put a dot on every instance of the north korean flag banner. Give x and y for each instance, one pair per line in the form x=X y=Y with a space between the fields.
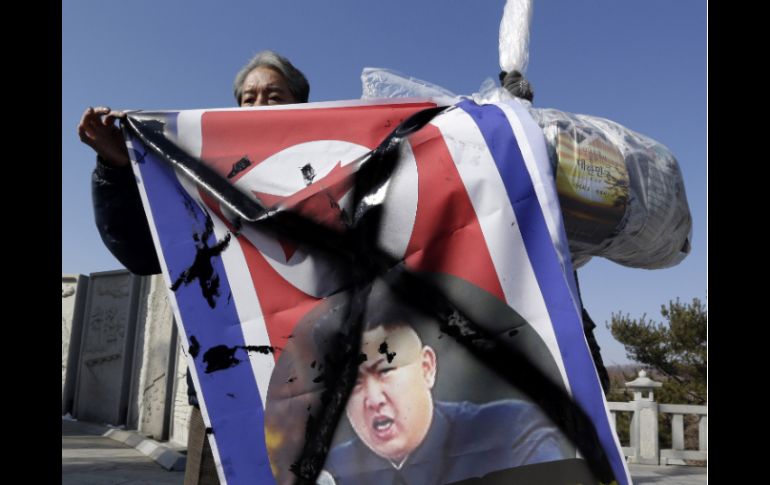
x=375 y=292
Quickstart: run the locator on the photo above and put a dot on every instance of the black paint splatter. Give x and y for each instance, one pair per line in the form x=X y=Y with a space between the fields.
x=239 y=166
x=155 y=125
x=209 y=430
x=189 y=204
x=262 y=349
x=312 y=364
x=308 y=174
x=513 y=332
x=230 y=394
x=237 y=226
x=384 y=350
x=195 y=346
x=202 y=269
x=220 y=357
x=291 y=379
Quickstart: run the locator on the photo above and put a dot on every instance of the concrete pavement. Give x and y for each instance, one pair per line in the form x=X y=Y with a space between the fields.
x=89 y=458
x=668 y=475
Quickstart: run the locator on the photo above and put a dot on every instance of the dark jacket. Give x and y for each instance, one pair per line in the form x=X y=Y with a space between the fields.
x=120 y=219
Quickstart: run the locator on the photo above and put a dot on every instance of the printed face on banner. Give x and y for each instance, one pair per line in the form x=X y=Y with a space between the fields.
x=422 y=405
x=390 y=407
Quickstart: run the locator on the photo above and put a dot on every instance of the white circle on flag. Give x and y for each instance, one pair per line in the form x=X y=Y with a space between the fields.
x=282 y=175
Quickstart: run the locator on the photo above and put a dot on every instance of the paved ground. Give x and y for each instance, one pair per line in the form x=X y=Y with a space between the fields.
x=88 y=458
x=668 y=475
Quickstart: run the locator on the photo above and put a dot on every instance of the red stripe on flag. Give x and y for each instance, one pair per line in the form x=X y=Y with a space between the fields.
x=228 y=136
x=283 y=305
x=447 y=236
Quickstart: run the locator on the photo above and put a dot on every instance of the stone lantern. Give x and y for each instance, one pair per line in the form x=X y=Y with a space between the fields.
x=644 y=424
x=643 y=384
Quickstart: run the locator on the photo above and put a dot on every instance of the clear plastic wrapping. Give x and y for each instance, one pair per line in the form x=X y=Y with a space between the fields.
x=514 y=35
x=622 y=193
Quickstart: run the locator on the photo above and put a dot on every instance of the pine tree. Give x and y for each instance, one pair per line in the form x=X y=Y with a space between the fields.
x=677 y=350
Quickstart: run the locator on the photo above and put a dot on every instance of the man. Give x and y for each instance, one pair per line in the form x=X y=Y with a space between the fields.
x=267 y=79
x=403 y=436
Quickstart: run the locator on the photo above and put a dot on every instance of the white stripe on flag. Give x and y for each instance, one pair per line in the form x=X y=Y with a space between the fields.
x=533 y=150
x=498 y=224
x=188 y=128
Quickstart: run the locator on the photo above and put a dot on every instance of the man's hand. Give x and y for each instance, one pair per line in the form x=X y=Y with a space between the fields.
x=517 y=85
x=97 y=130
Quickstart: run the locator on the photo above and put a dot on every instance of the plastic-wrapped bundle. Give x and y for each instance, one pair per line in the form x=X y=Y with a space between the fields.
x=621 y=193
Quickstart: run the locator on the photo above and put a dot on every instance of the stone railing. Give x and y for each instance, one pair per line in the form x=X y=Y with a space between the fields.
x=645 y=444
x=122 y=365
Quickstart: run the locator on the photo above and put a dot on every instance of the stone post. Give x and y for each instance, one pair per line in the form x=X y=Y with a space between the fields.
x=154 y=362
x=73 y=296
x=181 y=409
x=107 y=347
x=703 y=437
x=644 y=424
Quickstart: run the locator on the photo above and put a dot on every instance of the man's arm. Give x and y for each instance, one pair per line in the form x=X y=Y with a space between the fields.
x=118 y=208
x=120 y=219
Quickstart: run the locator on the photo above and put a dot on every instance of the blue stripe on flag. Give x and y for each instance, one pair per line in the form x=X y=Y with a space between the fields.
x=501 y=141
x=237 y=419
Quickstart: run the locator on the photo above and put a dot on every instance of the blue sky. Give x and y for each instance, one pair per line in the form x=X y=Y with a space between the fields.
x=641 y=63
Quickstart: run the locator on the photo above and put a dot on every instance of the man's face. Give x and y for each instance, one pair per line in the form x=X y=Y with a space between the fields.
x=263 y=87
x=391 y=407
